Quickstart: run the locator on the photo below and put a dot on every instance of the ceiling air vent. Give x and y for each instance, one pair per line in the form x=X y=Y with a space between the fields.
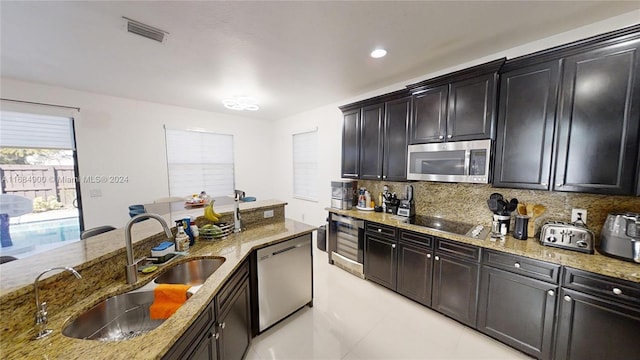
x=150 y=32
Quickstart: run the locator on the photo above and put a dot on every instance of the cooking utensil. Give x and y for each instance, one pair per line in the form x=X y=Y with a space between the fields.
x=522 y=209
x=493 y=205
x=536 y=211
x=496 y=196
x=529 y=211
x=513 y=204
x=502 y=206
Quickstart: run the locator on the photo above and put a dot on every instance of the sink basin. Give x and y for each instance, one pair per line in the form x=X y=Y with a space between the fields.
x=194 y=272
x=119 y=317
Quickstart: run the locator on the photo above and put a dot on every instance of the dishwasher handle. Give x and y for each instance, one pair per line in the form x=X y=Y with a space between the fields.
x=278 y=252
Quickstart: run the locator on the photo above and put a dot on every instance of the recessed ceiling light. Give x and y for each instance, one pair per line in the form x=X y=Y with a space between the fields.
x=378 y=53
x=241 y=103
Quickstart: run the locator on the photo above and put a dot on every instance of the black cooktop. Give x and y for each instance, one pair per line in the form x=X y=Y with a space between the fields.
x=445 y=225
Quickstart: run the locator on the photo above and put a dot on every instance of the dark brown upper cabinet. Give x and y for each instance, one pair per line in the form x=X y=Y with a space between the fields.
x=598 y=121
x=526 y=120
x=374 y=138
x=457 y=106
x=569 y=117
x=351 y=144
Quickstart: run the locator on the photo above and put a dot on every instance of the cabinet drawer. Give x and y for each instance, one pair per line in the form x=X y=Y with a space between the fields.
x=417 y=238
x=521 y=265
x=378 y=229
x=603 y=286
x=458 y=250
x=235 y=282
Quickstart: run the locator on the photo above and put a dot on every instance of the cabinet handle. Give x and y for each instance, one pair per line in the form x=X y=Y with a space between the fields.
x=617 y=291
x=543 y=184
x=378 y=176
x=567 y=298
x=551 y=293
x=217 y=336
x=449 y=136
x=559 y=184
x=393 y=246
x=379 y=230
x=516 y=265
x=222 y=325
x=437 y=257
x=428 y=256
x=384 y=176
x=441 y=137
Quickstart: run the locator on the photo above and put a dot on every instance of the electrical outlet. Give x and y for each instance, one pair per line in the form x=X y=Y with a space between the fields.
x=575 y=216
x=268 y=214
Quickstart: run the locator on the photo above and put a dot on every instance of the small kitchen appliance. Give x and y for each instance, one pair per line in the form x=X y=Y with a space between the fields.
x=620 y=236
x=344 y=194
x=407 y=207
x=567 y=236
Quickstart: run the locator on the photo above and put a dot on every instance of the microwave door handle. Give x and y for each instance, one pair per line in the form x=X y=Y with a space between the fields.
x=467 y=161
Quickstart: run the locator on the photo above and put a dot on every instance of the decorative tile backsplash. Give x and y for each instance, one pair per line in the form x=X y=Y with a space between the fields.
x=468 y=202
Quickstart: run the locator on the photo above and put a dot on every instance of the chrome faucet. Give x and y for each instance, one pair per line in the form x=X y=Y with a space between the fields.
x=41 y=308
x=132 y=265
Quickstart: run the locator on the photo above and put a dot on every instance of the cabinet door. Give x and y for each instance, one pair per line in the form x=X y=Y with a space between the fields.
x=429 y=116
x=396 y=133
x=524 y=141
x=207 y=349
x=414 y=272
x=235 y=326
x=517 y=310
x=471 y=110
x=592 y=328
x=598 y=127
x=455 y=288
x=380 y=261
x=351 y=144
x=371 y=142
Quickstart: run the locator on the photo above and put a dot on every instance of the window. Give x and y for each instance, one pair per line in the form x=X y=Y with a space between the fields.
x=305 y=165
x=199 y=161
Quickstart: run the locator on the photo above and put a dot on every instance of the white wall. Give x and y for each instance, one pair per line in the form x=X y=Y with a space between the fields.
x=328 y=119
x=117 y=136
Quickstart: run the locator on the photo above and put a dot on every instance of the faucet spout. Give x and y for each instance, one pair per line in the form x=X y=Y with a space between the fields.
x=41 y=308
x=132 y=265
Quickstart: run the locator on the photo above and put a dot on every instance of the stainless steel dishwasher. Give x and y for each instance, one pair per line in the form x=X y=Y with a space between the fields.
x=285 y=279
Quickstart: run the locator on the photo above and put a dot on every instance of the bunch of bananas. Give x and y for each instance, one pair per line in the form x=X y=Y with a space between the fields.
x=210 y=214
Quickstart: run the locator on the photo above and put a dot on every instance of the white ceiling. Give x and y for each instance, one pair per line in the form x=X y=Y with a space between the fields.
x=291 y=56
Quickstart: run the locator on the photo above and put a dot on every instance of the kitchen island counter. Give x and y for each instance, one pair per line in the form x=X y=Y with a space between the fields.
x=16 y=341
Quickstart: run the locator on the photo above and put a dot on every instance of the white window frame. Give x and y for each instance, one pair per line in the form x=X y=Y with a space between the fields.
x=305 y=165
x=209 y=162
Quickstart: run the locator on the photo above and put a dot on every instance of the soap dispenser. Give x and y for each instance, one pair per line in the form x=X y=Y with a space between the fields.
x=181 y=239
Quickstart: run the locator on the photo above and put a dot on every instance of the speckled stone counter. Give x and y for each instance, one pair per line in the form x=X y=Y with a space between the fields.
x=531 y=248
x=103 y=277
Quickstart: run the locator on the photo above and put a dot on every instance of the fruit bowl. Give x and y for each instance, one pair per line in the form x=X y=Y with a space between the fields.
x=216 y=231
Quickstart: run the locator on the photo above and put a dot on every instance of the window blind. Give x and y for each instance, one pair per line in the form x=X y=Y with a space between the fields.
x=33 y=131
x=305 y=165
x=199 y=161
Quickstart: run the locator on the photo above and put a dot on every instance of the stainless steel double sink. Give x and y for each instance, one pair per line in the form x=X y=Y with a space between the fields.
x=126 y=316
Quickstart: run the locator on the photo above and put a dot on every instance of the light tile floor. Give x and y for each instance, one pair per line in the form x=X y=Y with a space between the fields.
x=354 y=319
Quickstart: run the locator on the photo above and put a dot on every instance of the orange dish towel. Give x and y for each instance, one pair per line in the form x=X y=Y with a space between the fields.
x=167 y=299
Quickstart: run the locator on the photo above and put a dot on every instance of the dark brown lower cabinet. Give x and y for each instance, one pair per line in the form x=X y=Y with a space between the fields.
x=517 y=310
x=455 y=281
x=415 y=267
x=229 y=337
x=592 y=327
x=380 y=260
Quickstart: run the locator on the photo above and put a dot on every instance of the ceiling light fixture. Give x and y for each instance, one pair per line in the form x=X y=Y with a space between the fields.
x=378 y=53
x=241 y=103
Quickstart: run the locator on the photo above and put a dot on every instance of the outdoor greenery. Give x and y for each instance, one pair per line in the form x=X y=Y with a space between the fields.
x=42 y=205
x=18 y=156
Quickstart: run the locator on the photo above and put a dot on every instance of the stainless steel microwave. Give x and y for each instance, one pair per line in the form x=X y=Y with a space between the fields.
x=460 y=161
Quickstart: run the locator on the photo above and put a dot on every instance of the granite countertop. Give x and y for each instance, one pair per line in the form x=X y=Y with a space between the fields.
x=531 y=248
x=155 y=344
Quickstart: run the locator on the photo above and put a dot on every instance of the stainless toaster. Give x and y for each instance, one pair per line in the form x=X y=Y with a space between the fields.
x=567 y=236
x=620 y=236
